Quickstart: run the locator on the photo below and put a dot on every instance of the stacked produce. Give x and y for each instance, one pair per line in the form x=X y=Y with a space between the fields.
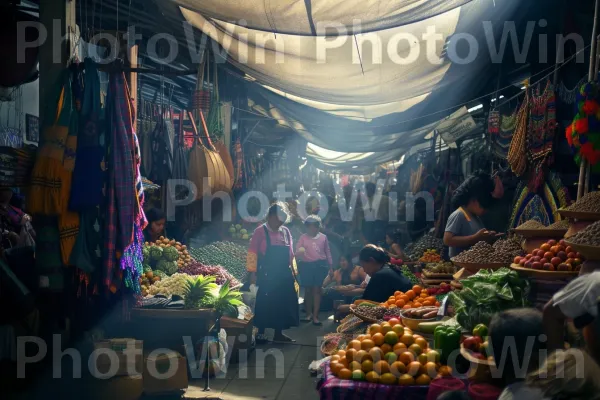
x=437 y=278
x=369 y=311
x=228 y=255
x=487 y=293
x=409 y=275
x=552 y=256
x=503 y=251
x=477 y=345
x=431 y=256
x=427 y=242
x=149 y=278
x=414 y=298
x=238 y=232
x=388 y=354
x=589 y=203
x=441 y=268
x=175 y=284
x=590 y=236
x=221 y=275
x=166 y=255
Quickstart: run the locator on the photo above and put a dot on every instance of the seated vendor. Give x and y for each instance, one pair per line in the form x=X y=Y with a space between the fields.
x=464 y=227
x=156 y=225
x=384 y=279
x=345 y=279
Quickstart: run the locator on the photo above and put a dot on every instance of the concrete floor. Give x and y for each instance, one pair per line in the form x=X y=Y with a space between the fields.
x=273 y=371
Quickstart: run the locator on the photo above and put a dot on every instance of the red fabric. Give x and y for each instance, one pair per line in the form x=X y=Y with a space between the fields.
x=590 y=107
x=441 y=385
x=581 y=126
x=397 y=261
x=484 y=391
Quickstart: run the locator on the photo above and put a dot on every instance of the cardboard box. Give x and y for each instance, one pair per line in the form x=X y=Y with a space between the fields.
x=126 y=365
x=165 y=373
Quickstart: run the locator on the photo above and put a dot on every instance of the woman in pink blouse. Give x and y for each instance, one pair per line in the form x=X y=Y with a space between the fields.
x=314 y=262
x=269 y=262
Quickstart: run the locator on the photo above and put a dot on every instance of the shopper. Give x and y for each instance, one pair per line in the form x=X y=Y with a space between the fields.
x=156 y=225
x=470 y=201
x=517 y=333
x=269 y=263
x=578 y=301
x=314 y=260
x=392 y=239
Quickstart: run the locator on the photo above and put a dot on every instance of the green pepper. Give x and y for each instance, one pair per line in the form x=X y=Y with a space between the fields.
x=446 y=340
x=480 y=330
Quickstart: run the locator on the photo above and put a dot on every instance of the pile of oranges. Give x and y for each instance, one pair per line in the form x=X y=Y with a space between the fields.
x=414 y=298
x=389 y=354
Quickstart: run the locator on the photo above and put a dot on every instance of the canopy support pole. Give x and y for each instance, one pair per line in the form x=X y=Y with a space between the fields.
x=583 y=168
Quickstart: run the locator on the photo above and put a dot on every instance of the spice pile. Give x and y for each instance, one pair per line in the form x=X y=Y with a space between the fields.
x=589 y=203
x=531 y=225
x=590 y=236
x=481 y=253
x=560 y=225
x=370 y=311
x=507 y=249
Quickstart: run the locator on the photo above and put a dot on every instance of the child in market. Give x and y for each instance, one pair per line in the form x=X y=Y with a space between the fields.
x=517 y=332
x=314 y=262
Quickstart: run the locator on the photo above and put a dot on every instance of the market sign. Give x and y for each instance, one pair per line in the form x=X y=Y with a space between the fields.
x=456 y=126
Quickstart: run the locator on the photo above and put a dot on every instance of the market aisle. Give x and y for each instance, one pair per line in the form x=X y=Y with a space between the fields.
x=273 y=371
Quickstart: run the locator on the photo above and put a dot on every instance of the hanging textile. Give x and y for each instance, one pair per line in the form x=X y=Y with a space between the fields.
x=517 y=153
x=90 y=170
x=147 y=126
x=238 y=165
x=162 y=150
x=583 y=135
x=569 y=96
x=180 y=160
x=46 y=178
x=122 y=201
x=540 y=138
x=501 y=142
x=16 y=166
x=494 y=122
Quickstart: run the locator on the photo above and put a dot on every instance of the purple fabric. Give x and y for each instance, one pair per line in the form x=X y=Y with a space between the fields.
x=333 y=388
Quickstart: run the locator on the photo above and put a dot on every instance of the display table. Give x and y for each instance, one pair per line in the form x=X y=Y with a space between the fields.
x=331 y=387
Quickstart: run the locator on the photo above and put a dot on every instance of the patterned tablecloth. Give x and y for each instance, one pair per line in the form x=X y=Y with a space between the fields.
x=333 y=388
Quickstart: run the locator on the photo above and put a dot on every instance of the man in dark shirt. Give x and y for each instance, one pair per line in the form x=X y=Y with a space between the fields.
x=384 y=283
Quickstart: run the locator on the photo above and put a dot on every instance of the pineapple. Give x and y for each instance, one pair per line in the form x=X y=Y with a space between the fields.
x=197 y=290
x=227 y=301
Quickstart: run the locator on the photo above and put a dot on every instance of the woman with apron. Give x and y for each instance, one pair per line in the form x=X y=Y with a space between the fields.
x=269 y=262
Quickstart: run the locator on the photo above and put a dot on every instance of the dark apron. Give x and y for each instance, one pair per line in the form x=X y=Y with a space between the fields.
x=276 y=301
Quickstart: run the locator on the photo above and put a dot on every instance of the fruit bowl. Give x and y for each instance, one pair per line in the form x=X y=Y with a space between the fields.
x=475 y=267
x=543 y=274
x=481 y=370
x=413 y=323
x=591 y=253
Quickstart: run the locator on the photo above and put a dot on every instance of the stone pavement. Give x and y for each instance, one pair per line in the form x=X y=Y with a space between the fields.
x=273 y=371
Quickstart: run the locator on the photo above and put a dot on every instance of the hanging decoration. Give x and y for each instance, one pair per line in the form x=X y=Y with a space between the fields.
x=583 y=135
x=516 y=153
x=501 y=142
x=540 y=135
x=494 y=122
x=569 y=96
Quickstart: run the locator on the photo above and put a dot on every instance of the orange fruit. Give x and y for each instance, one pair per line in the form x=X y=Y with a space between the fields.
x=411 y=295
x=407 y=307
x=351 y=355
x=428 y=303
x=417 y=305
x=407 y=338
x=373 y=377
x=405 y=298
x=416 y=349
x=424 y=291
x=399 y=329
x=437 y=304
x=431 y=299
x=423 y=295
x=421 y=342
x=345 y=374
x=393 y=322
x=431 y=369
x=343 y=362
x=399 y=348
x=406 y=358
x=417 y=289
x=400 y=303
x=445 y=371
x=391 y=338
x=423 y=380
x=376 y=354
x=398 y=368
x=434 y=356
x=378 y=339
x=367 y=366
x=335 y=358
x=406 y=380
x=354 y=365
x=387 y=379
x=397 y=293
x=423 y=359
x=386 y=327
x=341 y=353
x=381 y=367
x=336 y=368
x=354 y=344
x=367 y=344
x=413 y=368
x=386 y=348
x=360 y=338
x=408 y=330
x=375 y=328
x=361 y=356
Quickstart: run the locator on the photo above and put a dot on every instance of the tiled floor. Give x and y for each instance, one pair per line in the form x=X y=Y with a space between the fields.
x=273 y=371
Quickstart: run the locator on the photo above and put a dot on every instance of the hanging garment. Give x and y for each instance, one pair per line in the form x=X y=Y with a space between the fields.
x=145 y=137
x=46 y=178
x=540 y=138
x=501 y=141
x=239 y=165
x=89 y=175
x=162 y=151
x=87 y=253
x=517 y=153
x=122 y=198
x=180 y=160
